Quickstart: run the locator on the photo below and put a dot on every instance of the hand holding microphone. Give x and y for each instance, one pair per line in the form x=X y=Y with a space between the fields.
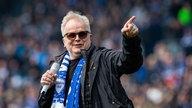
x=49 y=77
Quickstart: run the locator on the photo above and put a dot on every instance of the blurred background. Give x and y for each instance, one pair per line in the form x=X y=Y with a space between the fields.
x=30 y=37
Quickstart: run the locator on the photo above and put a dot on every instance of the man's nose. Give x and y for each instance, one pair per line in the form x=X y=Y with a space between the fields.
x=77 y=37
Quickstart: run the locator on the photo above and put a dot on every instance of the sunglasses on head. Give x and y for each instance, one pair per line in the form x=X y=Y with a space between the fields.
x=72 y=36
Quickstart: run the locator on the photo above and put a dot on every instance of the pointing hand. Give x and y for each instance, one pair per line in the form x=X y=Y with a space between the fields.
x=130 y=29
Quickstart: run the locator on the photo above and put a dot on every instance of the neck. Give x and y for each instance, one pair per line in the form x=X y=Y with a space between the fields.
x=75 y=57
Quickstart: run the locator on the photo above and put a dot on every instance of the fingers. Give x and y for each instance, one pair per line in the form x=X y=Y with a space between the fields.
x=130 y=29
x=130 y=21
x=48 y=78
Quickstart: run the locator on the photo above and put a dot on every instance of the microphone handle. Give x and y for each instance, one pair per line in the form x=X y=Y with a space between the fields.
x=54 y=68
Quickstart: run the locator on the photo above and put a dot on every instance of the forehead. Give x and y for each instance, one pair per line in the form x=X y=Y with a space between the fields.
x=75 y=25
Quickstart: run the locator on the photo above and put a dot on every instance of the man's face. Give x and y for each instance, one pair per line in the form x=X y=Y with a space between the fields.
x=76 y=37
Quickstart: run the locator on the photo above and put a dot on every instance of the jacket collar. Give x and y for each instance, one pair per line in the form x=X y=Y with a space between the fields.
x=87 y=53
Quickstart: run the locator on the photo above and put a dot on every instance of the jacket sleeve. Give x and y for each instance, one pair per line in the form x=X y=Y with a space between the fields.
x=45 y=101
x=131 y=57
x=127 y=61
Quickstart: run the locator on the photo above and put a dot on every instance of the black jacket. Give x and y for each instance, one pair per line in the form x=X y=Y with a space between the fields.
x=104 y=67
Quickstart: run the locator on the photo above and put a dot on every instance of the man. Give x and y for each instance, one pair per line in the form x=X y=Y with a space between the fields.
x=89 y=76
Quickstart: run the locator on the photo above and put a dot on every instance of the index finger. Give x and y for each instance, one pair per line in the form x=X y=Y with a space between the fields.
x=131 y=20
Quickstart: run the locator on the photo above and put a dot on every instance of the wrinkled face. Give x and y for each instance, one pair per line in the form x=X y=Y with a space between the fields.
x=76 y=37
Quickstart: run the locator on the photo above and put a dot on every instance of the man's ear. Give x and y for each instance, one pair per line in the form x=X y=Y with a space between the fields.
x=91 y=37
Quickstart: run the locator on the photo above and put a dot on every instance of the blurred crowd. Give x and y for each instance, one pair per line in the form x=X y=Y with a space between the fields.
x=30 y=37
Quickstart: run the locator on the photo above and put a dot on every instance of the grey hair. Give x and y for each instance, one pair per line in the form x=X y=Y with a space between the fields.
x=71 y=15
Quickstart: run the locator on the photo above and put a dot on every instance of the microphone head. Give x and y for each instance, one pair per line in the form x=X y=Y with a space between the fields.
x=55 y=67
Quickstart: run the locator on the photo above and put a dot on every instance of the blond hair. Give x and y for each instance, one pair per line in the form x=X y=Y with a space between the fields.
x=71 y=15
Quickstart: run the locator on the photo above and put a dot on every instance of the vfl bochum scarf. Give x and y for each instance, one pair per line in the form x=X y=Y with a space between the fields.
x=72 y=100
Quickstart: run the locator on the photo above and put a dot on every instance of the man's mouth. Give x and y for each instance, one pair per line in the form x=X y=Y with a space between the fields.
x=78 y=45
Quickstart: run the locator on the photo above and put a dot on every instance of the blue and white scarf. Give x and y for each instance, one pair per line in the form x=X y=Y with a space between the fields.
x=72 y=100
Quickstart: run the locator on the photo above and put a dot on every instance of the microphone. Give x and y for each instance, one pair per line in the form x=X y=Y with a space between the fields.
x=54 y=68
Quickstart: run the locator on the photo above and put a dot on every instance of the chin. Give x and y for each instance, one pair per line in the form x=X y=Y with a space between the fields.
x=76 y=50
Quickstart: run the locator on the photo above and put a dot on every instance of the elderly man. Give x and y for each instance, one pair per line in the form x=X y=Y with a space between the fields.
x=89 y=76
